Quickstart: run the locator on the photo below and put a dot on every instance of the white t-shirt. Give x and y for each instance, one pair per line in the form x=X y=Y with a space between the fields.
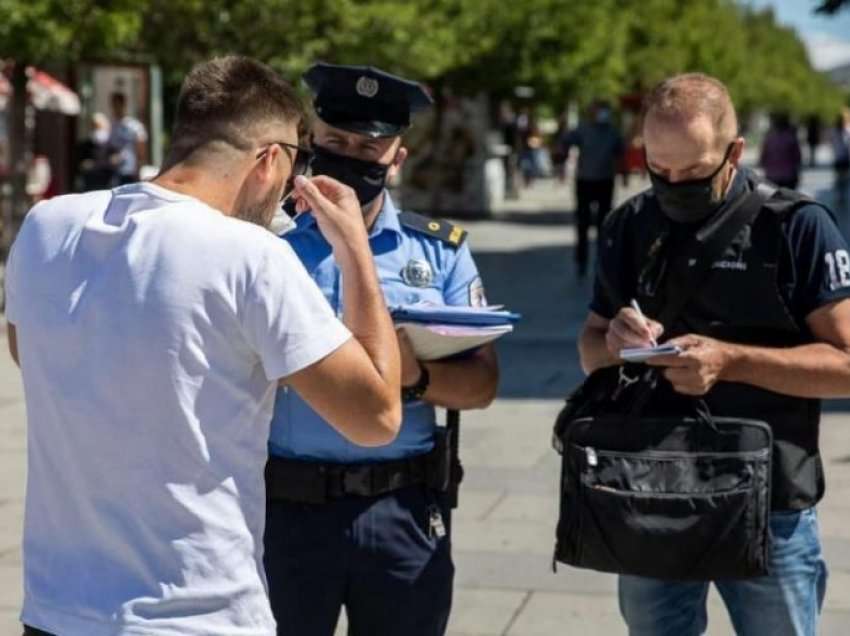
x=151 y=329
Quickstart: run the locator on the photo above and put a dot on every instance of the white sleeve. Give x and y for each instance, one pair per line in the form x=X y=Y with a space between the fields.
x=286 y=318
x=140 y=132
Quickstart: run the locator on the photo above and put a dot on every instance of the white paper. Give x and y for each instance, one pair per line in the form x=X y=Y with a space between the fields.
x=432 y=342
x=640 y=354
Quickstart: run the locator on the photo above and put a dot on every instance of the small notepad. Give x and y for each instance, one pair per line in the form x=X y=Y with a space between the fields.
x=640 y=354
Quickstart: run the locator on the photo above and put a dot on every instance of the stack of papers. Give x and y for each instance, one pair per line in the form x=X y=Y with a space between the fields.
x=438 y=331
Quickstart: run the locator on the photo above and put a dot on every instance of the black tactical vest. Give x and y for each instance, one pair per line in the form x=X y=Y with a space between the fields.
x=741 y=302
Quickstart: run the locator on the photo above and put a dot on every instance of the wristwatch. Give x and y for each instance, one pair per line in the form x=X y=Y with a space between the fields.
x=416 y=391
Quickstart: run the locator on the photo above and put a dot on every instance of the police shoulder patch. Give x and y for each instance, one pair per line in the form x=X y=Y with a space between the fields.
x=448 y=233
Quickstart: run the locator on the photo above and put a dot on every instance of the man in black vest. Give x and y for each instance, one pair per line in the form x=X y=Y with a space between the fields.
x=766 y=336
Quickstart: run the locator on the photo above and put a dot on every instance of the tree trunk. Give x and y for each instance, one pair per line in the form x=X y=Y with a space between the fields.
x=437 y=148
x=19 y=156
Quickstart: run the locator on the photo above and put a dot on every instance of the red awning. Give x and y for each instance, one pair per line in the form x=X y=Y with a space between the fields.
x=45 y=93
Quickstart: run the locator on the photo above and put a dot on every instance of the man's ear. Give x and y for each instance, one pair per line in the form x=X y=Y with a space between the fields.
x=737 y=151
x=264 y=169
x=398 y=161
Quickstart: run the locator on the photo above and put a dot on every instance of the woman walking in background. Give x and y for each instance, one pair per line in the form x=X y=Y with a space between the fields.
x=781 y=156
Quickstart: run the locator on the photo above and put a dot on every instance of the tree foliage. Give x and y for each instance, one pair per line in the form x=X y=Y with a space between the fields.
x=562 y=48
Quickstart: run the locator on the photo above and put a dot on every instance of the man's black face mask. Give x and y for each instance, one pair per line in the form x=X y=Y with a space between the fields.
x=366 y=178
x=689 y=201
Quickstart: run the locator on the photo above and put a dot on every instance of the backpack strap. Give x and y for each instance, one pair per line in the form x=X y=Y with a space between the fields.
x=690 y=265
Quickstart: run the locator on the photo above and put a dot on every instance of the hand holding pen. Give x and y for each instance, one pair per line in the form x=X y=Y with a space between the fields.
x=631 y=328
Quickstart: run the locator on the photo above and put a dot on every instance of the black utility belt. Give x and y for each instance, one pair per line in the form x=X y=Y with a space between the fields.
x=320 y=482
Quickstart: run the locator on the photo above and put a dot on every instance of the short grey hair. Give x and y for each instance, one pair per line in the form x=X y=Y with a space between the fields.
x=689 y=95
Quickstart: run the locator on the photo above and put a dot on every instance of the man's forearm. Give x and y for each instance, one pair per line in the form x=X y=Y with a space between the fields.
x=365 y=313
x=817 y=370
x=468 y=383
x=593 y=350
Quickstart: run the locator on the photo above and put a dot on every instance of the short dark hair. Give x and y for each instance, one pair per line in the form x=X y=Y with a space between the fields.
x=688 y=95
x=118 y=98
x=225 y=100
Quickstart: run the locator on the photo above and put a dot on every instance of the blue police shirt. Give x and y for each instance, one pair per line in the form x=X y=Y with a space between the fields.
x=297 y=431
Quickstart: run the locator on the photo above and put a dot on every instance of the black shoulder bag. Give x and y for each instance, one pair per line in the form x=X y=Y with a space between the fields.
x=651 y=483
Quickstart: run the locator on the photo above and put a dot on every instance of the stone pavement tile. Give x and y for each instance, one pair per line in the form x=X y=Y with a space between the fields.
x=838 y=592
x=10 y=625
x=11 y=594
x=541 y=479
x=517 y=434
x=12 y=557
x=837 y=554
x=484 y=612
x=13 y=432
x=521 y=507
x=11 y=525
x=477 y=504
x=550 y=614
x=522 y=537
x=516 y=571
x=12 y=475
x=11 y=386
x=834 y=624
x=834 y=520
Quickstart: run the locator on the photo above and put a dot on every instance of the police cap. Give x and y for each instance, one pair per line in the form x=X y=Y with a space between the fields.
x=363 y=99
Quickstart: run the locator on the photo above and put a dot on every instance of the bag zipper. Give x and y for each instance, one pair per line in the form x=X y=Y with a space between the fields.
x=593 y=454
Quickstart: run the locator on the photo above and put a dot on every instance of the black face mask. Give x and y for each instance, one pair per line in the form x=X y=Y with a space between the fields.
x=689 y=201
x=366 y=178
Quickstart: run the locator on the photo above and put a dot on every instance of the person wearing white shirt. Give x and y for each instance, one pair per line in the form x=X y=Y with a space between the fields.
x=152 y=325
x=128 y=141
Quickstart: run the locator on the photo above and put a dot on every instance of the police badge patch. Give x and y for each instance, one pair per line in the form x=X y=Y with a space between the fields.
x=417 y=273
x=477 y=298
x=366 y=86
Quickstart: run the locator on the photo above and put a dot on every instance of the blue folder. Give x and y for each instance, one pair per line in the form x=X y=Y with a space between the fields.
x=452 y=315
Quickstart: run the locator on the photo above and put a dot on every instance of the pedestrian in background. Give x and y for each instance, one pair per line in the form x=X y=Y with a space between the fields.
x=840 y=142
x=93 y=166
x=558 y=150
x=813 y=137
x=128 y=141
x=781 y=156
x=600 y=147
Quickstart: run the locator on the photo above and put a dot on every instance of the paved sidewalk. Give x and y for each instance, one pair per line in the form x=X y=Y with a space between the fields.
x=504 y=529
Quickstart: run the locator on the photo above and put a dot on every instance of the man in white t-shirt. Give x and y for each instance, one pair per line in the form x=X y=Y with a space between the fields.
x=128 y=141
x=152 y=324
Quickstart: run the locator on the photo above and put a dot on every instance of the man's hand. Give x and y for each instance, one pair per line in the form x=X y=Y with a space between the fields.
x=629 y=329
x=336 y=209
x=698 y=368
x=410 y=369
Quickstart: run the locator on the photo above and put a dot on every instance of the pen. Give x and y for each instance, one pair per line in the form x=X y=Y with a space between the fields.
x=636 y=307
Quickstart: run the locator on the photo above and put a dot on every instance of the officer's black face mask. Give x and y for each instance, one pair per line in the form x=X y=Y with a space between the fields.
x=366 y=178
x=689 y=201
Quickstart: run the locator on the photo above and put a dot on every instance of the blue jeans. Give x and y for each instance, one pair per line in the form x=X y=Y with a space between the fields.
x=785 y=603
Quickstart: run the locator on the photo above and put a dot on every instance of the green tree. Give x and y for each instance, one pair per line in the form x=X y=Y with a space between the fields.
x=53 y=33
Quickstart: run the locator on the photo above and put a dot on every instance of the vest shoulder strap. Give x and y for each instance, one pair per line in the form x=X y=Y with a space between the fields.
x=784 y=202
x=447 y=232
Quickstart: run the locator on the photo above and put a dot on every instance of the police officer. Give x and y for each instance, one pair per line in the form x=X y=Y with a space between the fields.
x=766 y=336
x=369 y=529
